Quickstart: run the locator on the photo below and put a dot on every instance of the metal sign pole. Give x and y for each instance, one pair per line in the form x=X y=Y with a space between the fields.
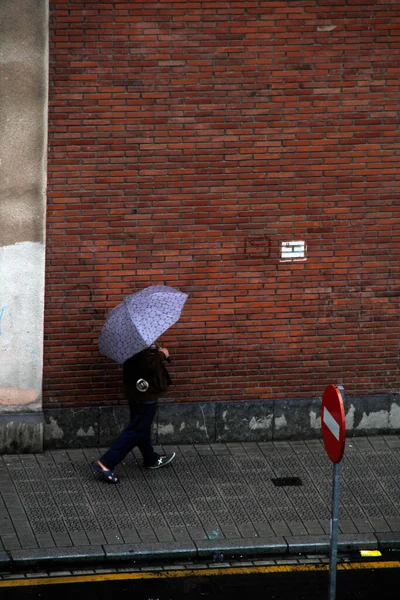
x=333 y=424
x=334 y=530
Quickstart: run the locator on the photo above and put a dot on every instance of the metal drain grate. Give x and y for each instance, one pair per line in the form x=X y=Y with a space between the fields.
x=286 y=481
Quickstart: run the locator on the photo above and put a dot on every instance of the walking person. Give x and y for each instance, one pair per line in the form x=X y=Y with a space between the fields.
x=129 y=336
x=145 y=380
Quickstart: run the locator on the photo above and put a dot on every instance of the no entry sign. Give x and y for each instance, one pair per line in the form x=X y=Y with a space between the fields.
x=333 y=423
x=334 y=435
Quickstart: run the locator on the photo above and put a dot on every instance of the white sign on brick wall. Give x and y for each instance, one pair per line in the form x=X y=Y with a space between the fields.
x=291 y=251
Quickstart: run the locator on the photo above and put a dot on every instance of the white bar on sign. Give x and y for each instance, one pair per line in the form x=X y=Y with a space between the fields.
x=331 y=423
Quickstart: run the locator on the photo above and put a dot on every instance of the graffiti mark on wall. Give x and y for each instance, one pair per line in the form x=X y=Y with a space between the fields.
x=1 y=315
x=33 y=352
x=83 y=294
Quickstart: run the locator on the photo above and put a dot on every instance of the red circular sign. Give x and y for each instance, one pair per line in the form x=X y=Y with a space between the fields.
x=333 y=422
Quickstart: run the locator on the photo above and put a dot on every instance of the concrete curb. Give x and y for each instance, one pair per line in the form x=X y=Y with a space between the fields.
x=211 y=550
x=5 y=560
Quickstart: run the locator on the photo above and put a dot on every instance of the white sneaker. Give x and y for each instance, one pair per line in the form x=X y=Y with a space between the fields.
x=162 y=461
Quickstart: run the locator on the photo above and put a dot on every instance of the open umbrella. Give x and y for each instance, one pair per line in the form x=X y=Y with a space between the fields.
x=139 y=320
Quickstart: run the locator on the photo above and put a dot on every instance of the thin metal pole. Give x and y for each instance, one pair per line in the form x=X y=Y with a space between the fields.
x=334 y=530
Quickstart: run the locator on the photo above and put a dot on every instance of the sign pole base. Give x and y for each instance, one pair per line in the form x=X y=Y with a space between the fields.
x=334 y=530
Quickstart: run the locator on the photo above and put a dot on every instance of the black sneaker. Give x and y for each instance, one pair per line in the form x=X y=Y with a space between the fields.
x=162 y=461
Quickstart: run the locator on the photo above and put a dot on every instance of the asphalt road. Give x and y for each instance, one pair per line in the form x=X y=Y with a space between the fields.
x=355 y=583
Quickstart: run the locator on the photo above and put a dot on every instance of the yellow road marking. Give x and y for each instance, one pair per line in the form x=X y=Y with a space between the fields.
x=309 y=568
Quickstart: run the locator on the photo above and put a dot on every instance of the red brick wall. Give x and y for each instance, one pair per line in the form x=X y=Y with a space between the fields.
x=187 y=141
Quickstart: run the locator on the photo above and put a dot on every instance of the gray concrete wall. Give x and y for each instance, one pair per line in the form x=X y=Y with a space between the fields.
x=23 y=142
x=213 y=422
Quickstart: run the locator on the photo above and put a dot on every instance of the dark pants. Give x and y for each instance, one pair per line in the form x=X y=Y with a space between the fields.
x=137 y=433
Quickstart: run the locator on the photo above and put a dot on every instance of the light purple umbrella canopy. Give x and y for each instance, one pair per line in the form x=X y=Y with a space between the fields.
x=139 y=320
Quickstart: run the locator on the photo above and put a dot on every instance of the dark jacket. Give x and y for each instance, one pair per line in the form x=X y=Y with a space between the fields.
x=149 y=366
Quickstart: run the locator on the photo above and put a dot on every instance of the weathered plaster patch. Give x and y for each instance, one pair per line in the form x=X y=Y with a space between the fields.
x=261 y=423
x=52 y=430
x=315 y=422
x=204 y=426
x=280 y=422
x=374 y=420
x=394 y=416
x=21 y=340
x=23 y=115
x=20 y=214
x=350 y=417
x=21 y=435
x=15 y=396
x=166 y=429
x=326 y=27
x=201 y=427
x=89 y=433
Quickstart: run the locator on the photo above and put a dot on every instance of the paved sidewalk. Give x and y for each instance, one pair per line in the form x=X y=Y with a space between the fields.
x=214 y=502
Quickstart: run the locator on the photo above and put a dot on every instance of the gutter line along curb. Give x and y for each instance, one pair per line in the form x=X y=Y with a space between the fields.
x=211 y=550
